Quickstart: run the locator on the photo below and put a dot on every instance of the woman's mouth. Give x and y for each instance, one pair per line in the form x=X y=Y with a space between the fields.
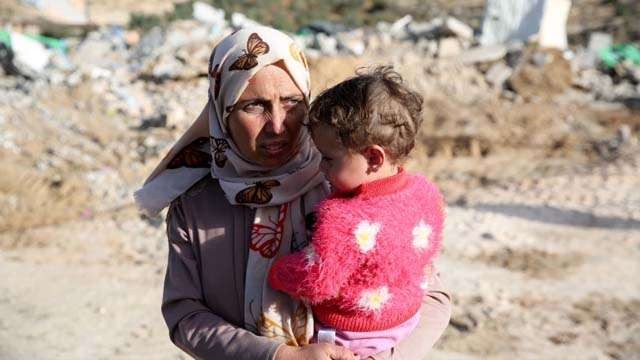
x=274 y=149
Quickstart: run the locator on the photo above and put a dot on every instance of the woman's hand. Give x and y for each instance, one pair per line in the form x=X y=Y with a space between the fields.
x=315 y=352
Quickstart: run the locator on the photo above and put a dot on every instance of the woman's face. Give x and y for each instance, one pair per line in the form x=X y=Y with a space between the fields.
x=267 y=119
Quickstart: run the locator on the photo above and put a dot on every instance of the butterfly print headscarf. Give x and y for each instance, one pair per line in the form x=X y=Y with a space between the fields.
x=283 y=197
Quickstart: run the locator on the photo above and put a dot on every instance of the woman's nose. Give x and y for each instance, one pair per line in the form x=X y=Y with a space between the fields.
x=276 y=122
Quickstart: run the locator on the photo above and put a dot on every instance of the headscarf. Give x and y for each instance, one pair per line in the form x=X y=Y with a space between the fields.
x=282 y=196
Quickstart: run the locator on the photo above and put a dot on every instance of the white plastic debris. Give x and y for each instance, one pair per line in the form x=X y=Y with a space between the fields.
x=239 y=20
x=207 y=14
x=525 y=19
x=29 y=53
x=553 y=27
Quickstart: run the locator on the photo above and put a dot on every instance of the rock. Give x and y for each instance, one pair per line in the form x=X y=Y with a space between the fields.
x=398 y=29
x=542 y=73
x=95 y=51
x=62 y=12
x=184 y=33
x=326 y=27
x=458 y=28
x=498 y=74
x=6 y=60
x=483 y=54
x=599 y=41
x=168 y=67
x=429 y=30
x=239 y=20
x=327 y=44
x=149 y=44
x=449 y=47
x=352 y=42
x=207 y=14
x=157 y=121
x=131 y=38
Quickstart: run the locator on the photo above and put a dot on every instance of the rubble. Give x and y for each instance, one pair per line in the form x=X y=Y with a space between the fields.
x=498 y=74
x=542 y=73
x=482 y=54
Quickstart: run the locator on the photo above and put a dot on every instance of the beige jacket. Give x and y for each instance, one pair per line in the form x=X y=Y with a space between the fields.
x=203 y=301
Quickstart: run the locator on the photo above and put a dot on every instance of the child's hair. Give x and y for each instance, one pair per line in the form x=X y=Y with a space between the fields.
x=373 y=107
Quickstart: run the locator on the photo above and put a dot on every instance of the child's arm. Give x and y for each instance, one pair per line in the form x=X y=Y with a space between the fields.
x=317 y=273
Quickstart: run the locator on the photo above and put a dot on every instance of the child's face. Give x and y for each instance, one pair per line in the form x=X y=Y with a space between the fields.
x=345 y=169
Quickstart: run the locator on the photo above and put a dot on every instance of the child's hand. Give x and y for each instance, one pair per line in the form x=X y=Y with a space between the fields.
x=315 y=352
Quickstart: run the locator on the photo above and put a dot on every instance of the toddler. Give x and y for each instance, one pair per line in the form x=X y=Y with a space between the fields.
x=379 y=230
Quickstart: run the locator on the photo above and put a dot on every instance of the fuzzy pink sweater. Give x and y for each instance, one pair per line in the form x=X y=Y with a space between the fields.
x=364 y=268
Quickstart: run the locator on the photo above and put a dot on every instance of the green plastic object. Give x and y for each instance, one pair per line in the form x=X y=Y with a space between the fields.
x=616 y=54
x=52 y=43
x=5 y=38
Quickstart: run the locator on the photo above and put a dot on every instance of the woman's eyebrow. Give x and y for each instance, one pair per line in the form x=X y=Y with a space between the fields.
x=291 y=96
x=265 y=100
x=256 y=99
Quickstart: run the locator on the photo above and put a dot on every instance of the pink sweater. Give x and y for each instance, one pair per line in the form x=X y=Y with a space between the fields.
x=364 y=268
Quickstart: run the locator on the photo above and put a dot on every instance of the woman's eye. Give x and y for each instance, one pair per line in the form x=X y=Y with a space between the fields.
x=292 y=102
x=324 y=158
x=254 y=108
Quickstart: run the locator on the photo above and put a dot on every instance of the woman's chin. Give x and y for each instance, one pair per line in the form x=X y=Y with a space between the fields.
x=274 y=159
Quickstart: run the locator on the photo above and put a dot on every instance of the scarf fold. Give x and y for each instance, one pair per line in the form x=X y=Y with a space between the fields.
x=282 y=196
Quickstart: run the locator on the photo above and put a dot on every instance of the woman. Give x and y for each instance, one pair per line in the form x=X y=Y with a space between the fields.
x=225 y=229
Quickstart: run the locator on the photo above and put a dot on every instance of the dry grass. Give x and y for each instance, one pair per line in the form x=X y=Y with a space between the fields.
x=31 y=199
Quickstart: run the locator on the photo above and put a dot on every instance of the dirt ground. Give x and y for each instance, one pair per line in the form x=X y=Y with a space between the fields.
x=542 y=239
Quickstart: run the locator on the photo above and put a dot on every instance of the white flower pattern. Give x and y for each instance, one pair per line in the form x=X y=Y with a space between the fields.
x=424 y=285
x=310 y=255
x=365 y=235
x=421 y=234
x=374 y=299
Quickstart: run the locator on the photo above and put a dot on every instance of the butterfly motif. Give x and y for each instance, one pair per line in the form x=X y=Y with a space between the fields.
x=191 y=156
x=298 y=55
x=299 y=326
x=258 y=193
x=216 y=75
x=219 y=146
x=249 y=59
x=266 y=239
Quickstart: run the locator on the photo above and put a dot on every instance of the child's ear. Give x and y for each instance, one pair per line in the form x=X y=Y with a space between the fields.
x=375 y=156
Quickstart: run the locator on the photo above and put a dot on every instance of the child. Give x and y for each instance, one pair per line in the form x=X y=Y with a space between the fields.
x=374 y=236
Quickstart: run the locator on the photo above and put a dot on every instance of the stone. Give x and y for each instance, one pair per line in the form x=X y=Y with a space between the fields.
x=483 y=54
x=542 y=73
x=94 y=51
x=398 y=29
x=167 y=67
x=239 y=20
x=498 y=74
x=458 y=28
x=599 y=41
x=131 y=38
x=207 y=14
x=449 y=47
x=328 y=45
x=62 y=12
x=428 y=30
x=351 y=42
